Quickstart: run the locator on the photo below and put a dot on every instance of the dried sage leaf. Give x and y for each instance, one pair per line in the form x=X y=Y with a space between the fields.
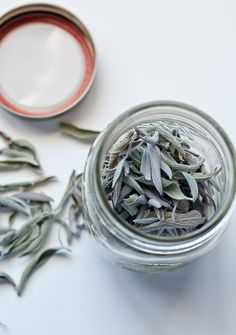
x=4 y=277
x=13 y=204
x=68 y=231
x=25 y=145
x=27 y=185
x=135 y=179
x=35 y=263
x=173 y=190
x=154 y=203
x=118 y=171
x=192 y=185
x=155 y=161
x=181 y=167
x=13 y=153
x=132 y=200
x=131 y=209
x=33 y=197
x=166 y=169
x=133 y=184
x=79 y=133
x=142 y=200
x=145 y=167
x=146 y=220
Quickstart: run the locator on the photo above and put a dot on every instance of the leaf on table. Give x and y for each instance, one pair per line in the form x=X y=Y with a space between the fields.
x=68 y=230
x=26 y=185
x=14 y=205
x=19 y=162
x=23 y=144
x=13 y=153
x=79 y=133
x=6 y=238
x=35 y=263
x=5 y=278
x=33 y=197
x=37 y=239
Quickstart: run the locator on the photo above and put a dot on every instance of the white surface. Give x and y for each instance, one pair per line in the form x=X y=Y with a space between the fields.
x=41 y=66
x=180 y=50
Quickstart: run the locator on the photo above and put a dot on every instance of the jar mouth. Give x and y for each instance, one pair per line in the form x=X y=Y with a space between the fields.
x=182 y=112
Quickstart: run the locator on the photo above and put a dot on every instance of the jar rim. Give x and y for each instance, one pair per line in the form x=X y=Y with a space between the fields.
x=120 y=225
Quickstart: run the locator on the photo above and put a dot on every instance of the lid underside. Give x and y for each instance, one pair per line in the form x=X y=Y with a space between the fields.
x=47 y=64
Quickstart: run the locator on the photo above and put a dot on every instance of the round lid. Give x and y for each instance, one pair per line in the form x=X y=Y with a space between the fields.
x=47 y=61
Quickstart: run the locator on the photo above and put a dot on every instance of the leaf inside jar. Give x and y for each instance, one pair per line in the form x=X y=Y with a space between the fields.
x=167 y=181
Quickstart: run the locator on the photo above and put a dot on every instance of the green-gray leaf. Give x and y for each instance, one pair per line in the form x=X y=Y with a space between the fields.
x=142 y=200
x=13 y=153
x=37 y=261
x=192 y=185
x=204 y=176
x=133 y=184
x=172 y=189
x=132 y=200
x=19 y=162
x=68 y=231
x=33 y=197
x=154 y=203
x=170 y=138
x=145 y=167
x=4 y=277
x=26 y=185
x=165 y=167
x=118 y=171
x=154 y=156
x=145 y=220
x=182 y=167
x=24 y=145
x=79 y=133
x=132 y=210
x=13 y=204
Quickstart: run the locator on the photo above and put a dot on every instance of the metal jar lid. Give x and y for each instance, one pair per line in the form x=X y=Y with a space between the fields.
x=47 y=61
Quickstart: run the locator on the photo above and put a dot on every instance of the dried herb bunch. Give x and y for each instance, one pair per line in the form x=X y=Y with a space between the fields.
x=29 y=238
x=156 y=182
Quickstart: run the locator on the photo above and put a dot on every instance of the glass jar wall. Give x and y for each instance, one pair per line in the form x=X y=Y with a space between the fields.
x=128 y=246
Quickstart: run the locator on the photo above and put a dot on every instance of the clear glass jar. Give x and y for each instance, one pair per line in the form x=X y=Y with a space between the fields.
x=131 y=248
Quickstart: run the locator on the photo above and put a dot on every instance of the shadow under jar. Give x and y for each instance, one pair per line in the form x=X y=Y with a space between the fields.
x=152 y=253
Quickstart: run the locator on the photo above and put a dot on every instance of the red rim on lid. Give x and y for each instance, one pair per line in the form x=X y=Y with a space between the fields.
x=47 y=61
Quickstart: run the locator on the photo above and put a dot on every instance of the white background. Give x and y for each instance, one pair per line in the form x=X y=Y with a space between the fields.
x=147 y=50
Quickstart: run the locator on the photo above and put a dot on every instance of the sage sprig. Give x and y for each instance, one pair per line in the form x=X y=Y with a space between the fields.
x=26 y=185
x=30 y=238
x=159 y=185
x=18 y=154
x=35 y=263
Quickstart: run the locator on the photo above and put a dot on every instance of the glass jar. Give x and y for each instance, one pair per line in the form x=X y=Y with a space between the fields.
x=126 y=245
